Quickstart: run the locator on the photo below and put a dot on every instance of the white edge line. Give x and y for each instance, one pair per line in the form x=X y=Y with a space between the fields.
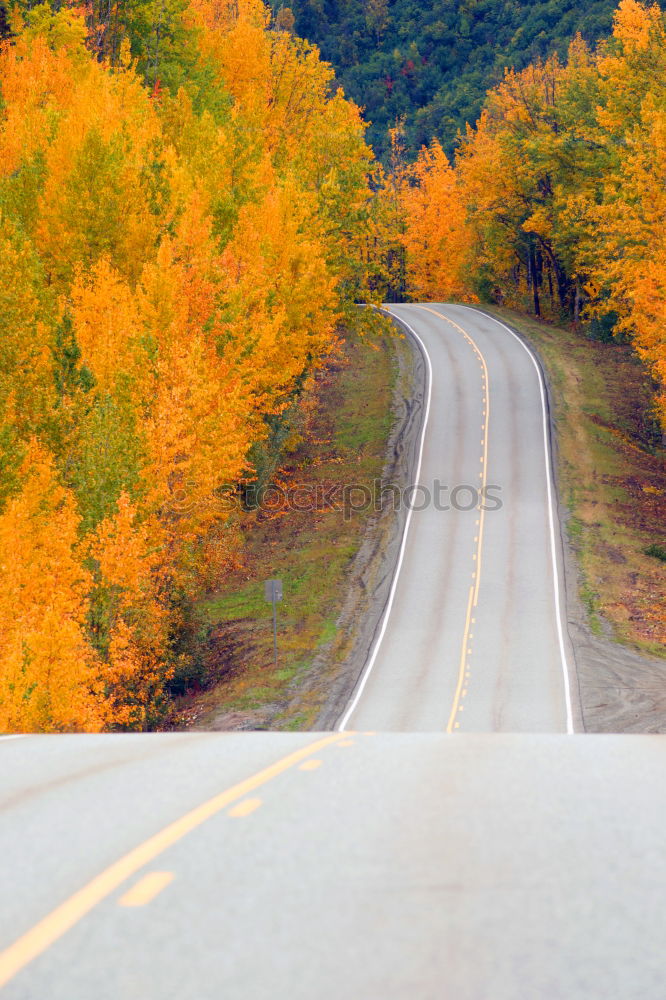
x=396 y=575
x=18 y=736
x=551 y=518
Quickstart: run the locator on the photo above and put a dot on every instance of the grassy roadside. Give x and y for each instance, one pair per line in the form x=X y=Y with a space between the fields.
x=611 y=478
x=346 y=419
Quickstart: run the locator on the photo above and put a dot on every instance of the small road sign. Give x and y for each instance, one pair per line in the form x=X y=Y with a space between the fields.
x=273 y=592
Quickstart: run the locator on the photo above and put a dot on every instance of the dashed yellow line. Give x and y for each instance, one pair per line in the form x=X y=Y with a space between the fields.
x=463 y=667
x=309 y=765
x=244 y=808
x=483 y=476
x=486 y=426
x=146 y=889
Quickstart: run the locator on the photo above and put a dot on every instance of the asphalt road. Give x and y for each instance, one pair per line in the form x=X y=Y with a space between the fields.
x=474 y=637
x=374 y=867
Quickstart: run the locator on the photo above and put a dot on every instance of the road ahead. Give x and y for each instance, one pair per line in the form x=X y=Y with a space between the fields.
x=473 y=639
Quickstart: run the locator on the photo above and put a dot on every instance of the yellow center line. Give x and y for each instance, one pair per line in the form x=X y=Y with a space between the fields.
x=146 y=889
x=52 y=927
x=309 y=765
x=244 y=808
x=463 y=664
x=484 y=457
x=483 y=476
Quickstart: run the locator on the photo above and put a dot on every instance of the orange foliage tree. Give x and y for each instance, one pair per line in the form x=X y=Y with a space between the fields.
x=437 y=240
x=49 y=672
x=626 y=250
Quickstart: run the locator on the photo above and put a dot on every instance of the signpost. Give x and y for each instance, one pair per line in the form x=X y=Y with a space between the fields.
x=273 y=592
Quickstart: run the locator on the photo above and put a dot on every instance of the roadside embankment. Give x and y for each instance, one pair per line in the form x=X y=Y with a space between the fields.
x=319 y=532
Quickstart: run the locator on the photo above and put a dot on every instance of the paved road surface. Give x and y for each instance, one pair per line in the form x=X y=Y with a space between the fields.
x=474 y=639
x=423 y=867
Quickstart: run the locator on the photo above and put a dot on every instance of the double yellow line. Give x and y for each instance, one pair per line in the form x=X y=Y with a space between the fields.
x=473 y=598
x=64 y=917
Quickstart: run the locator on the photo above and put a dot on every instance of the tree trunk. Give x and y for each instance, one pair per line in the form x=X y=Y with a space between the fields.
x=535 y=282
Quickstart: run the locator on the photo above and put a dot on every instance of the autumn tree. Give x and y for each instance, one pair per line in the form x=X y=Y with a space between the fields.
x=626 y=248
x=49 y=677
x=437 y=240
x=285 y=20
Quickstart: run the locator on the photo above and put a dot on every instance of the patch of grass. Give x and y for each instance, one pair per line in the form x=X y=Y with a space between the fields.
x=360 y=425
x=589 y=600
x=246 y=603
x=656 y=552
x=575 y=528
x=296 y=724
x=347 y=420
x=328 y=632
x=287 y=674
x=611 y=472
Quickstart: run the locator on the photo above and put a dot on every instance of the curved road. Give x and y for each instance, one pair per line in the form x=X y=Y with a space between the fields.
x=473 y=639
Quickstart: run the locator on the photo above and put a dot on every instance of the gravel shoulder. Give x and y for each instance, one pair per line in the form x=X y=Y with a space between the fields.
x=372 y=571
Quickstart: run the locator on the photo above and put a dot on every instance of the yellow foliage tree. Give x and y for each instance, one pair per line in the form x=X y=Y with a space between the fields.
x=106 y=322
x=130 y=619
x=437 y=240
x=49 y=675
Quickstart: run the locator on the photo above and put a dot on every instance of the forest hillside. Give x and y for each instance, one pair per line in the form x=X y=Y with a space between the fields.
x=432 y=63
x=555 y=201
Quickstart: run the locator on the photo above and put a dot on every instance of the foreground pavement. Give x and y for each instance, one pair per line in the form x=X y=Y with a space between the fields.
x=300 y=866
